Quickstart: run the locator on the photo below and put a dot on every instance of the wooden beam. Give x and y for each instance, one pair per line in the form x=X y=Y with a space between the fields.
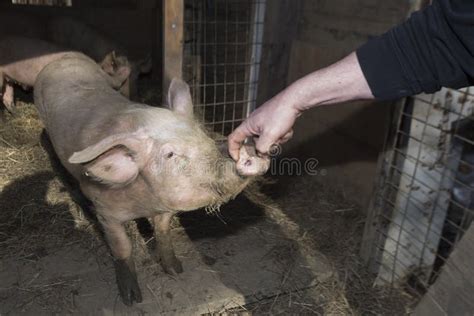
x=173 y=29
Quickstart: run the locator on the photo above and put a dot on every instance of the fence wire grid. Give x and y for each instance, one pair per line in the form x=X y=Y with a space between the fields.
x=222 y=49
x=424 y=202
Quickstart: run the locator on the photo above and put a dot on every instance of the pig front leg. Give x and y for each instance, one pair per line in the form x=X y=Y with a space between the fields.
x=121 y=249
x=164 y=247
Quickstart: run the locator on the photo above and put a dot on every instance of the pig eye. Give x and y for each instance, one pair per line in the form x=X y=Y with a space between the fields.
x=169 y=155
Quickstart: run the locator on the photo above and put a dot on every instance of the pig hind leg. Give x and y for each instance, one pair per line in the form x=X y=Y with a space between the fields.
x=125 y=272
x=164 y=246
x=2 y=108
x=8 y=97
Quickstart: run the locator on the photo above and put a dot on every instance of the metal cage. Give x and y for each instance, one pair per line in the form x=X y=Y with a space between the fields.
x=424 y=201
x=221 y=58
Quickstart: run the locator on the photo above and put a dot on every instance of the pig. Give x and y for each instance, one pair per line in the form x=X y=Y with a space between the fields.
x=77 y=35
x=133 y=160
x=21 y=60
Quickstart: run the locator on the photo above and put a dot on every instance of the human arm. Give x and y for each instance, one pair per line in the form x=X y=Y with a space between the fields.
x=273 y=121
x=434 y=48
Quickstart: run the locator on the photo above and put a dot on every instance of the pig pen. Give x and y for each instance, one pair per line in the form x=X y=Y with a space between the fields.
x=289 y=250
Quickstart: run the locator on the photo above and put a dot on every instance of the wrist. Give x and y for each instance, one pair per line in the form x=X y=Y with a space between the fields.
x=292 y=100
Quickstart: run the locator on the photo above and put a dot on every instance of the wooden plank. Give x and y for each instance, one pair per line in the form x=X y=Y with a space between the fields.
x=452 y=293
x=173 y=30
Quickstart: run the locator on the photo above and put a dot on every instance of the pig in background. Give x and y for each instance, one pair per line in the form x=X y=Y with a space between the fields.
x=73 y=34
x=132 y=160
x=22 y=58
x=77 y=35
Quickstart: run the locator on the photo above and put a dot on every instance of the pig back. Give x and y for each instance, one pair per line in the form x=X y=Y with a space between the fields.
x=74 y=97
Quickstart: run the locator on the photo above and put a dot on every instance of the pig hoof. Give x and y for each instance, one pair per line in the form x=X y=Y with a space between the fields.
x=171 y=265
x=127 y=283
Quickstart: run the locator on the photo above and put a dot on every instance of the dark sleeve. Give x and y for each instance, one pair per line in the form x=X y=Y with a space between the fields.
x=433 y=48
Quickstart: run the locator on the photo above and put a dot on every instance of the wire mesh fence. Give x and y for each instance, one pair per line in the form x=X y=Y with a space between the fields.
x=223 y=40
x=424 y=202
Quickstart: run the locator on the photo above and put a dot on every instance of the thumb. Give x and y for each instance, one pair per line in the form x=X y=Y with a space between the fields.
x=265 y=142
x=235 y=140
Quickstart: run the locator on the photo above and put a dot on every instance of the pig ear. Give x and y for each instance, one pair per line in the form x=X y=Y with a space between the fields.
x=179 y=98
x=115 y=160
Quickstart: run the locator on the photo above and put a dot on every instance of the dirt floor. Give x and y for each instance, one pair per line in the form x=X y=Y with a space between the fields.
x=53 y=258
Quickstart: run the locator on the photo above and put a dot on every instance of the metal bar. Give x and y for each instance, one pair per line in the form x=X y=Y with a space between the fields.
x=215 y=63
x=256 y=53
x=226 y=40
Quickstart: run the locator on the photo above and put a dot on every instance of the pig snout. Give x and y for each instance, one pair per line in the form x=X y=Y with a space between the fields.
x=250 y=164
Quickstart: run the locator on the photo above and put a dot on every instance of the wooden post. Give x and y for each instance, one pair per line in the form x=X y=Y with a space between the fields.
x=173 y=28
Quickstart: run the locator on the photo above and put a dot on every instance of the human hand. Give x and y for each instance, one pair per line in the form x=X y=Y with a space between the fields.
x=271 y=123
